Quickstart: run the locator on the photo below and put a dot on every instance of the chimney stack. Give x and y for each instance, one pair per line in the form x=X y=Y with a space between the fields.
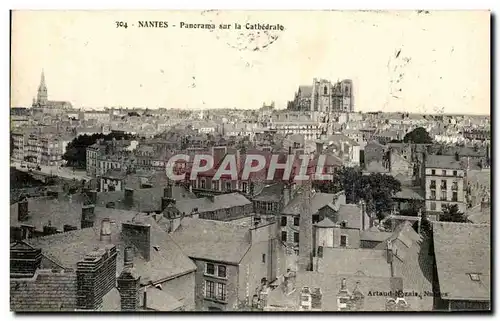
x=95 y=276
x=88 y=216
x=129 y=195
x=22 y=210
x=139 y=235
x=129 y=283
x=168 y=191
x=105 y=231
x=24 y=261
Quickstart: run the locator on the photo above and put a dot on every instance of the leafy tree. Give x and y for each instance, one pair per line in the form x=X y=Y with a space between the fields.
x=376 y=189
x=418 y=136
x=76 y=151
x=452 y=214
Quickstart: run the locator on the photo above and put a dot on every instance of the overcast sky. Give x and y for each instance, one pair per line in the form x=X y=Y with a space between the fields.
x=398 y=61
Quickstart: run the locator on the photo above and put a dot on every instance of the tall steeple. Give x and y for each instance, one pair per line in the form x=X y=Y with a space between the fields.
x=42 y=91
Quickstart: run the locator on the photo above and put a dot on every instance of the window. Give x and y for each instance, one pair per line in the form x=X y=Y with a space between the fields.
x=433 y=195
x=444 y=172
x=215 y=185
x=454 y=186
x=263 y=258
x=433 y=184
x=296 y=237
x=296 y=221
x=444 y=184
x=210 y=269
x=433 y=172
x=209 y=289
x=444 y=196
x=283 y=236
x=221 y=291
x=455 y=173
x=325 y=90
x=283 y=221
x=244 y=187
x=269 y=206
x=228 y=186
x=433 y=206
x=343 y=240
x=203 y=184
x=454 y=197
x=221 y=271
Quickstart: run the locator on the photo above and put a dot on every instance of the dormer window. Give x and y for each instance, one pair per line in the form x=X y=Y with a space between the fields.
x=474 y=277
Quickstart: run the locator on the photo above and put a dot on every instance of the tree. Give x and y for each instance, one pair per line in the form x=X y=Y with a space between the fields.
x=418 y=136
x=452 y=214
x=76 y=151
x=376 y=189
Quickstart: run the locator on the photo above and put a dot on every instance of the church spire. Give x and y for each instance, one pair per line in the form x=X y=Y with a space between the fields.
x=42 y=91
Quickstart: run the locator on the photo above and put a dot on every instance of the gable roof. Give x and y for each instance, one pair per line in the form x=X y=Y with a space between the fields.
x=460 y=249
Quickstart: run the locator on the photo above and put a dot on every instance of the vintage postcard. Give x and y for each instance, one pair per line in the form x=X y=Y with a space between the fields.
x=250 y=161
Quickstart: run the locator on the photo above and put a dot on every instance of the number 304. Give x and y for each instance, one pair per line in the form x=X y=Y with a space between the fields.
x=121 y=24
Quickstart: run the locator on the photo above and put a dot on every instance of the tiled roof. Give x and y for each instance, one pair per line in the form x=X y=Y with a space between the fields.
x=412 y=263
x=167 y=259
x=318 y=201
x=221 y=201
x=378 y=236
x=46 y=291
x=351 y=213
x=212 y=240
x=365 y=262
x=460 y=249
x=60 y=213
x=271 y=193
x=326 y=222
x=442 y=161
x=144 y=200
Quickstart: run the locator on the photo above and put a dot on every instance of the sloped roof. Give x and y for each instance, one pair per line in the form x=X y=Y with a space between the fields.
x=366 y=262
x=442 y=161
x=70 y=247
x=46 y=291
x=212 y=240
x=460 y=249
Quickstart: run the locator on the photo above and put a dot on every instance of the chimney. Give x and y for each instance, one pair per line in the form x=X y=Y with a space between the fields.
x=166 y=201
x=24 y=260
x=289 y=281
x=363 y=214
x=390 y=255
x=22 y=210
x=168 y=191
x=316 y=298
x=95 y=277
x=91 y=195
x=139 y=235
x=49 y=229
x=128 y=283
x=319 y=147
x=289 y=150
x=105 y=231
x=145 y=300
x=129 y=195
x=88 y=216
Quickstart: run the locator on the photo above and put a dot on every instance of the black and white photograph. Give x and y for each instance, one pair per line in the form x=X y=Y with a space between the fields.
x=250 y=161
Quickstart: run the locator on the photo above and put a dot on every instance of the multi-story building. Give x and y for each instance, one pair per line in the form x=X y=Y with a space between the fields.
x=444 y=184
x=233 y=261
x=105 y=155
x=19 y=141
x=324 y=96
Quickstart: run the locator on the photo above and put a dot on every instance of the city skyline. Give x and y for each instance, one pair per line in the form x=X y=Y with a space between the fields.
x=448 y=71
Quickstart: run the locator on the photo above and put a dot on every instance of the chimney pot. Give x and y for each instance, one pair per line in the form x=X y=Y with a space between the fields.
x=22 y=210
x=128 y=257
x=105 y=231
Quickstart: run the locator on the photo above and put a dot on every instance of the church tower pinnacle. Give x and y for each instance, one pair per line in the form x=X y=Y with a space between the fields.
x=42 y=91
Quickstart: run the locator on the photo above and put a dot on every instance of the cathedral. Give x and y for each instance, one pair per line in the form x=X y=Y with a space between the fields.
x=324 y=96
x=42 y=101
